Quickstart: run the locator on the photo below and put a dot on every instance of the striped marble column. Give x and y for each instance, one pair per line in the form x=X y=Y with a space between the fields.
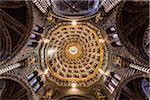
x=10 y=67
x=109 y=4
x=140 y=68
x=42 y=4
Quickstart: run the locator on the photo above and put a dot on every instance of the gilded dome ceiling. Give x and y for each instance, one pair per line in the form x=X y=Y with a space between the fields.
x=74 y=53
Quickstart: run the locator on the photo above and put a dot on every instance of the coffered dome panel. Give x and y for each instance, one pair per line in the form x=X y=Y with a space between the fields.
x=74 y=54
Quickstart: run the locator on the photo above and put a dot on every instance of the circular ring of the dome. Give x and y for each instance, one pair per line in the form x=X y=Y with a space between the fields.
x=73 y=50
x=81 y=67
x=125 y=82
x=68 y=14
x=121 y=32
x=20 y=82
x=15 y=29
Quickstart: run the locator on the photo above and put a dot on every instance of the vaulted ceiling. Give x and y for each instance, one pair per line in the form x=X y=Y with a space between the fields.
x=74 y=50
